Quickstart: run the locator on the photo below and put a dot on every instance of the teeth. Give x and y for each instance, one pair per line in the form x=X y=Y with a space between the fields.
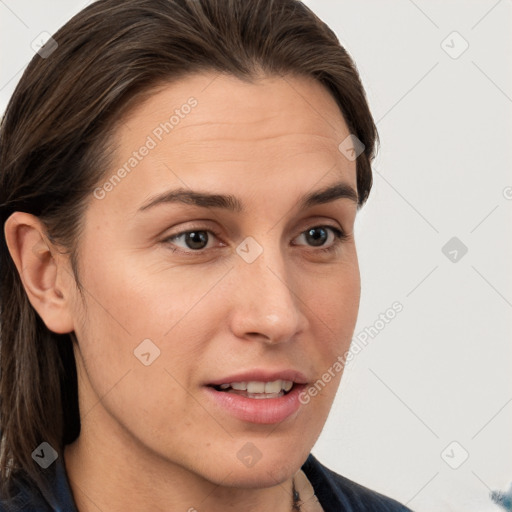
x=255 y=387
x=275 y=386
x=287 y=385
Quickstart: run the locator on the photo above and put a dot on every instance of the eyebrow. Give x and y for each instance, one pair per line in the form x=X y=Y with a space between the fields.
x=230 y=202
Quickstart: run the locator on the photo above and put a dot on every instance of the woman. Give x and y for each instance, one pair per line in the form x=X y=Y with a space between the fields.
x=179 y=184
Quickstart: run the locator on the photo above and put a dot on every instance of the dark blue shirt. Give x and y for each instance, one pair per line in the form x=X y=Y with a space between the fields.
x=334 y=492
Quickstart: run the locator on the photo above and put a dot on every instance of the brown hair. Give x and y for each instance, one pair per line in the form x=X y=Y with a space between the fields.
x=55 y=141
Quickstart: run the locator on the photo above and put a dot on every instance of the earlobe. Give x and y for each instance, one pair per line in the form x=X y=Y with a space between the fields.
x=42 y=270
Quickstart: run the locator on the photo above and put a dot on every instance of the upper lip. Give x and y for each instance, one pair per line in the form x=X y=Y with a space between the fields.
x=262 y=375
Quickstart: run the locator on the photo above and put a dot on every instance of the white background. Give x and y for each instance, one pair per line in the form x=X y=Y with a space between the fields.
x=440 y=371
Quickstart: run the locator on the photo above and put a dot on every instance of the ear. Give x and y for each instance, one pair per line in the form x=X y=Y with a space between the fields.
x=42 y=269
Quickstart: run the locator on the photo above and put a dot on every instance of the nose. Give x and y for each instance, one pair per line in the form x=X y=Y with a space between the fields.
x=266 y=305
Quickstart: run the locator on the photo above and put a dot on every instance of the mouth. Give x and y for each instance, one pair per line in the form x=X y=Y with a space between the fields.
x=258 y=396
x=257 y=389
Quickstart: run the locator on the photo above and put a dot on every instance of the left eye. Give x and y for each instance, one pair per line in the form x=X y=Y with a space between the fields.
x=318 y=235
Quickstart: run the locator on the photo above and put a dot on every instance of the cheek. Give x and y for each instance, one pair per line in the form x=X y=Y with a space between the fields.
x=127 y=309
x=131 y=300
x=134 y=310
x=334 y=304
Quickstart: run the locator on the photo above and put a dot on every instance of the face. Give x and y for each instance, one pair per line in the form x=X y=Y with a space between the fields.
x=239 y=279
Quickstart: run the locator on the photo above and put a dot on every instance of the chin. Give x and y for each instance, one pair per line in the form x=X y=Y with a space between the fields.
x=266 y=475
x=266 y=467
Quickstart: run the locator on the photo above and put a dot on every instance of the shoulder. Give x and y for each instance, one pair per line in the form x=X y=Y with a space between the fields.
x=335 y=492
x=26 y=497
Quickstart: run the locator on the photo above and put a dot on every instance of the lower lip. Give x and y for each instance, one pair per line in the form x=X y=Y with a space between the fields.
x=258 y=410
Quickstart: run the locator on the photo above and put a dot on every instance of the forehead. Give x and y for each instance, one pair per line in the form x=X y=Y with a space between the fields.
x=258 y=98
x=218 y=130
x=227 y=108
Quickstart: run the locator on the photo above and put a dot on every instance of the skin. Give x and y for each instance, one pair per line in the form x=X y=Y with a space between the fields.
x=151 y=439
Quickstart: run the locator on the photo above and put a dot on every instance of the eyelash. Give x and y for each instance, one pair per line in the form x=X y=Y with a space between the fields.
x=339 y=235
